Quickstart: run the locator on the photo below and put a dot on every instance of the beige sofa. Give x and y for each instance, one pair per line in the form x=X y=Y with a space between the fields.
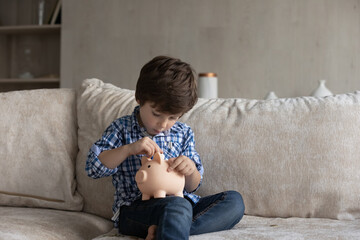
x=295 y=161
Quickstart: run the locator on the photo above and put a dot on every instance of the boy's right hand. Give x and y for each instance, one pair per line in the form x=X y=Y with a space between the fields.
x=144 y=146
x=113 y=158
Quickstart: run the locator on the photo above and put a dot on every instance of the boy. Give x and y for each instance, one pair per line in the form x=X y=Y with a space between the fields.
x=166 y=89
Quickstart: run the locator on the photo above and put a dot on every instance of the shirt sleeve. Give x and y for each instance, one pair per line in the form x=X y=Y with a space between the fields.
x=190 y=152
x=110 y=139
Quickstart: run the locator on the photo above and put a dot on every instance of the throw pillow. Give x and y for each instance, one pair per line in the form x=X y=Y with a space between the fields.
x=38 y=147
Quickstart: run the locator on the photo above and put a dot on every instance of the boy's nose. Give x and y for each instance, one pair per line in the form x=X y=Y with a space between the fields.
x=163 y=123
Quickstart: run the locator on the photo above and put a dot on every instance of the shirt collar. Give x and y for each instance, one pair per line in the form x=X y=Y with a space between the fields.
x=137 y=127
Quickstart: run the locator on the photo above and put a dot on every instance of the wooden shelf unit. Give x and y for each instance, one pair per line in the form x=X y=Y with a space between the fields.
x=29 y=53
x=31 y=80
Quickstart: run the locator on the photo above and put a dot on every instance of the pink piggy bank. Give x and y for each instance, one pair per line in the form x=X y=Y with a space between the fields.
x=154 y=180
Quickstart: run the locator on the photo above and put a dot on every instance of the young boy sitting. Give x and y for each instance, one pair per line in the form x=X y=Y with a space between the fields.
x=166 y=89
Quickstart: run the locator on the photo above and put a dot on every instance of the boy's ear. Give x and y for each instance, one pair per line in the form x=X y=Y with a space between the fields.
x=144 y=160
x=138 y=101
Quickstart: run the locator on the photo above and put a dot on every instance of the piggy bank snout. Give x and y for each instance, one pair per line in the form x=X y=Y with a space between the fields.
x=141 y=176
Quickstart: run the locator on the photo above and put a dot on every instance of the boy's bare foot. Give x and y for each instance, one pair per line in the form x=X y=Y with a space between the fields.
x=151 y=232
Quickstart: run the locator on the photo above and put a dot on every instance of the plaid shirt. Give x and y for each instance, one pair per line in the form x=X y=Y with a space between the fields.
x=179 y=140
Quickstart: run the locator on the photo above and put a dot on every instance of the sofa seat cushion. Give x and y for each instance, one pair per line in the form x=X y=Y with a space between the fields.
x=48 y=224
x=261 y=228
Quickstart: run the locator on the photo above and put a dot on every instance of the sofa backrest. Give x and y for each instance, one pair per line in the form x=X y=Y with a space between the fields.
x=295 y=157
x=38 y=147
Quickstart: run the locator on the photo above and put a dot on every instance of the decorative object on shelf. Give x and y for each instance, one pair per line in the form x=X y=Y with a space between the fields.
x=208 y=85
x=321 y=90
x=25 y=66
x=271 y=95
x=56 y=15
x=26 y=75
x=41 y=12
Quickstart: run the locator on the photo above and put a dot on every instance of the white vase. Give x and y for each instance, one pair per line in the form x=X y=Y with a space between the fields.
x=208 y=85
x=321 y=90
x=271 y=95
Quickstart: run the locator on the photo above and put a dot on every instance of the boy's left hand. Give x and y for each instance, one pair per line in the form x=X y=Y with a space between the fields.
x=182 y=164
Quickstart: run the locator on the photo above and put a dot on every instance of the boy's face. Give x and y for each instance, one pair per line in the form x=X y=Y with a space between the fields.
x=154 y=121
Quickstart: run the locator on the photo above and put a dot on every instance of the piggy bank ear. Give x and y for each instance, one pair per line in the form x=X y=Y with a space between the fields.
x=144 y=160
x=158 y=157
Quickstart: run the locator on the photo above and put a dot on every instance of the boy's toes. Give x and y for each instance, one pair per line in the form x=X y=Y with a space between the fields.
x=151 y=232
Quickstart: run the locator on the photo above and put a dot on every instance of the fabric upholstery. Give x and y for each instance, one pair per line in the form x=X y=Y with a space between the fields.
x=296 y=157
x=261 y=228
x=38 y=147
x=47 y=224
x=98 y=105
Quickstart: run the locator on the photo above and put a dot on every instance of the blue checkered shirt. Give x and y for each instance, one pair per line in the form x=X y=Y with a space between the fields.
x=179 y=140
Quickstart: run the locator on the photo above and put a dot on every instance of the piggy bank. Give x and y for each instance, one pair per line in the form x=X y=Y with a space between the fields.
x=154 y=180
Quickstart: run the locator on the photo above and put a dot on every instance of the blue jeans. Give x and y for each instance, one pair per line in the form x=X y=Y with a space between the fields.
x=177 y=218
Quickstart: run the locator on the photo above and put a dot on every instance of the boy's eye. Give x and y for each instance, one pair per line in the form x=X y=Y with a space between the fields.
x=156 y=115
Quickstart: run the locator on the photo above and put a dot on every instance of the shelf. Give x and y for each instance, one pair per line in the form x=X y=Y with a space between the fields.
x=27 y=48
x=29 y=29
x=32 y=80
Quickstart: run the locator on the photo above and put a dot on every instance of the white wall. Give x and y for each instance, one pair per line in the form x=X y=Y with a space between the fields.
x=255 y=46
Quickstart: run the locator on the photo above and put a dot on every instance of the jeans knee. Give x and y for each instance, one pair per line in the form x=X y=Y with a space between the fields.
x=179 y=204
x=236 y=200
x=175 y=219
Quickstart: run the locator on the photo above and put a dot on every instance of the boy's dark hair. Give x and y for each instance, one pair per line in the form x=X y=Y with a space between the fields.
x=169 y=83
